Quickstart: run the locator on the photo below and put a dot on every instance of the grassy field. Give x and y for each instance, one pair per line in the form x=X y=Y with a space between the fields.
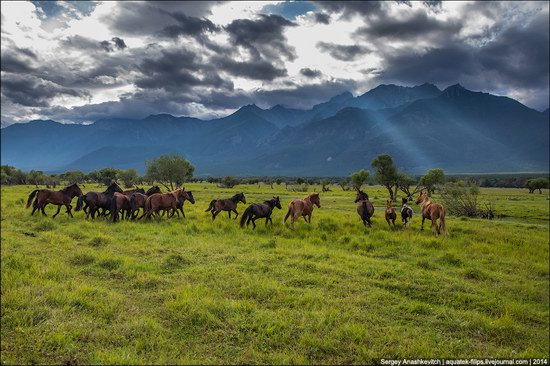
x=197 y=291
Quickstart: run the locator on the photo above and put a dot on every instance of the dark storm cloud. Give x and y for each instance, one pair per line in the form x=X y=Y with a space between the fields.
x=178 y=69
x=322 y=18
x=88 y=44
x=11 y=62
x=32 y=91
x=343 y=52
x=310 y=73
x=256 y=69
x=419 y=25
x=519 y=55
x=263 y=37
x=147 y=18
x=351 y=8
x=188 y=26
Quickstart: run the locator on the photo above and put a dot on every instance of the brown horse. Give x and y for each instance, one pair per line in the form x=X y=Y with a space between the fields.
x=365 y=209
x=432 y=211
x=58 y=198
x=406 y=213
x=390 y=214
x=163 y=201
x=229 y=204
x=137 y=201
x=121 y=202
x=187 y=196
x=302 y=207
x=97 y=200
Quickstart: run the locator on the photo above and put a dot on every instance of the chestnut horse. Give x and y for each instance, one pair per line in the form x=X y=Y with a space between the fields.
x=230 y=205
x=432 y=211
x=390 y=214
x=58 y=198
x=121 y=202
x=137 y=201
x=163 y=201
x=302 y=207
x=365 y=209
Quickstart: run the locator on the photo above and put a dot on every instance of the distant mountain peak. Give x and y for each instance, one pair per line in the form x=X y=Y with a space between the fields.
x=455 y=90
x=341 y=97
x=160 y=116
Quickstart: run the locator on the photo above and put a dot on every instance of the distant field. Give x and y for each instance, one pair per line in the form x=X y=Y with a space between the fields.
x=197 y=291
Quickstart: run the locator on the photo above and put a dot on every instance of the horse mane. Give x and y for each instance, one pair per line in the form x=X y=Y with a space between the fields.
x=66 y=189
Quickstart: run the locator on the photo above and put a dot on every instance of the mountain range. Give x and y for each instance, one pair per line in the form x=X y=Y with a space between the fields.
x=421 y=127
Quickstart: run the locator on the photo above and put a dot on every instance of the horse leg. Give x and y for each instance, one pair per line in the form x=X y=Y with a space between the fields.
x=368 y=221
x=434 y=226
x=69 y=207
x=183 y=213
x=229 y=214
x=236 y=213
x=42 y=207
x=422 y=227
x=254 y=224
x=58 y=209
x=214 y=214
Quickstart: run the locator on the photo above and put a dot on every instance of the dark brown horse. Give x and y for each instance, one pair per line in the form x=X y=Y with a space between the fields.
x=432 y=211
x=229 y=204
x=58 y=198
x=302 y=207
x=137 y=201
x=390 y=214
x=163 y=201
x=406 y=213
x=259 y=210
x=94 y=201
x=188 y=196
x=365 y=209
x=121 y=202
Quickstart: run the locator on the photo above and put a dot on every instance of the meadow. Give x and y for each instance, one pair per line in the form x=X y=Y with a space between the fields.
x=196 y=291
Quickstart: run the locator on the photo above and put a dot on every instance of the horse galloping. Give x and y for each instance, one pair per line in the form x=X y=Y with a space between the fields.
x=162 y=201
x=302 y=207
x=406 y=213
x=137 y=201
x=121 y=202
x=94 y=201
x=365 y=209
x=260 y=210
x=390 y=214
x=58 y=198
x=432 y=211
x=229 y=204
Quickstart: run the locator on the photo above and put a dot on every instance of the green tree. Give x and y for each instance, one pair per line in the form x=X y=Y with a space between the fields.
x=432 y=180
x=359 y=178
x=300 y=181
x=386 y=173
x=129 y=177
x=170 y=170
x=36 y=177
x=229 y=182
x=73 y=176
x=537 y=183
x=324 y=183
x=404 y=182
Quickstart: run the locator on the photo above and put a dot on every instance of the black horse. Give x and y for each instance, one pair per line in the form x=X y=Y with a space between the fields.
x=365 y=209
x=259 y=210
x=97 y=200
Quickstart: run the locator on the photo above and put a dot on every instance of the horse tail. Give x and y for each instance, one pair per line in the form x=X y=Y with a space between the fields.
x=245 y=215
x=31 y=196
x=113 y=209
x=442 y=221
x=289 y=212
x=147 y=207
x=80 y=202
x=210 y=206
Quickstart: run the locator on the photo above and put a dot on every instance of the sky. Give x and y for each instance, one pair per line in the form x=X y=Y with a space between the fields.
x=82 y=61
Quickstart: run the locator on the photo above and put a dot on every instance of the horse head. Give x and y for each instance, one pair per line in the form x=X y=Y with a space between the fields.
x=140 y=190
x=361 y=196
x=277 y=202
x=421 y=198
x=113 y=187
x=153 y=190
x=404 y=201
x=388 y=203
x=242 y=198
x=315 y=199
x=190 y=197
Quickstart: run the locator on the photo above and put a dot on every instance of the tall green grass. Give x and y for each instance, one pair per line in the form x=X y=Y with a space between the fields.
x=197 y=291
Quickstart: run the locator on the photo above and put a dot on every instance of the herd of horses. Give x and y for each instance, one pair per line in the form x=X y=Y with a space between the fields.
x=116 y=204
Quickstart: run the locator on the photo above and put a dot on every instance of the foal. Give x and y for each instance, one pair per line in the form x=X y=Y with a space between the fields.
x=390 y=214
